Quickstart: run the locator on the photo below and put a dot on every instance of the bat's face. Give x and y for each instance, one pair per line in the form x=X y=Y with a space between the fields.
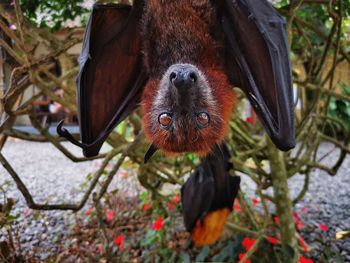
x=187 y=109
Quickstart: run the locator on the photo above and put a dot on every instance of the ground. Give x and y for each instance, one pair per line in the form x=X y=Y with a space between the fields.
x=50 y=176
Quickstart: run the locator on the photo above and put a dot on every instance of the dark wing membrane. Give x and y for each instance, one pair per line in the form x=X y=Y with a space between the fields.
x=209 y=188
x=197 y=195
x=259 y=55
x=226 y=186
x=111 y=74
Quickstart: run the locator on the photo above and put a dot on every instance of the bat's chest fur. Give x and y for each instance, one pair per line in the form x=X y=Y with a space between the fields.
x=178 y=31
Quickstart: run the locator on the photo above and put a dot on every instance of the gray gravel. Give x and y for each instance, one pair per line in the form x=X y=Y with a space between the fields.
x=327 y=202
x=52 y=177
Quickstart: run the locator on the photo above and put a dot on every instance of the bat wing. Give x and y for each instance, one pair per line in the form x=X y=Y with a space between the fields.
x=111 y=76
x=226 y=186
x=259 y=63
x=197 y=195
x=209 y=188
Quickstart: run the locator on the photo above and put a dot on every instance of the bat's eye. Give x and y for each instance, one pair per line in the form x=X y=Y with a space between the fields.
x=203 y=119
x=165 y=119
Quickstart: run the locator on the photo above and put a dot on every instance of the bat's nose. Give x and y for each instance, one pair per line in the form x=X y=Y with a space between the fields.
x=184 y=78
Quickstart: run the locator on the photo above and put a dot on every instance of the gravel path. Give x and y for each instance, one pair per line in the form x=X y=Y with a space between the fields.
x=50 y=176
x=327 y=202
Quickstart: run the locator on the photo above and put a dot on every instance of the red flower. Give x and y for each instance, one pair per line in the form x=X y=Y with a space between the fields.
x=296 y=216
x=256 y=201
x=305 y=260
x=123 y=174
x=100 y=248
x=249 y=120
x=276 y=220
x=236 y=206
x=158 y=224
x=304 y=210
x=27 y=212
x=88 y=212
x=119 y=241
x=272 y=240
x=176 y=199
x=323 y=227
x=297 y=220
x=248 y=243
x=171 y=206
x=110 y=215
x=302 y=243
x=146 y=207
x=241 y=256
x=299 y=224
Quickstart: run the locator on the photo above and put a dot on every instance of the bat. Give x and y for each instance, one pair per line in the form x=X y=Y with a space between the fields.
x=207 y=197
x=178 y=59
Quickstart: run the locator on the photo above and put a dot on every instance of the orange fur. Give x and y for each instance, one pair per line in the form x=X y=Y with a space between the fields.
x=181 y=31
x=210 y=136
x=209 y=230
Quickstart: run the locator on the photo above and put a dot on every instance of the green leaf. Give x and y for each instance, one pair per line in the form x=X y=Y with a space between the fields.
x=185 y=257
x=36 y=215
x=228 y=253
x=151 y=238
x=143 y=197
x=203 y=254
x=288 y=251
x=345 y=88
x=53 y=13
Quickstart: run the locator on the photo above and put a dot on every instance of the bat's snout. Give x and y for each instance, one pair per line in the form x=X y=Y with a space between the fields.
x=184 y=78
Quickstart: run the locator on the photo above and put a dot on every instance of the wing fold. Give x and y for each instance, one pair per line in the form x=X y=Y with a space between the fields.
x=111 y=76
x=259 y=55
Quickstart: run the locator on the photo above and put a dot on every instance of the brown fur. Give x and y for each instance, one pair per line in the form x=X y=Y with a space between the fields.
x=202 y=141
x=179 y=31
x=184 y=31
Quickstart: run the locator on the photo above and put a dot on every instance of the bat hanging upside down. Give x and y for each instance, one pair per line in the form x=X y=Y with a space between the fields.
x=179 y=59
x=188 y=98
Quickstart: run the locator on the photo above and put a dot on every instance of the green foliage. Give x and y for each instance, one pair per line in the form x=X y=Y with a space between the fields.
x=346 y=4
x=6 y=205
x=317 y=13
x=8 y=249
x=340 y=109
x=53 y=13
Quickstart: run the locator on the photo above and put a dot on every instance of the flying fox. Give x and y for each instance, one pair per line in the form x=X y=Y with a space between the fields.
x=179 y=60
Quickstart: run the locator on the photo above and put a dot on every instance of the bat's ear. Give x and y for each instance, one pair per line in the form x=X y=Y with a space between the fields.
x=111 y=76
x=259 y=63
